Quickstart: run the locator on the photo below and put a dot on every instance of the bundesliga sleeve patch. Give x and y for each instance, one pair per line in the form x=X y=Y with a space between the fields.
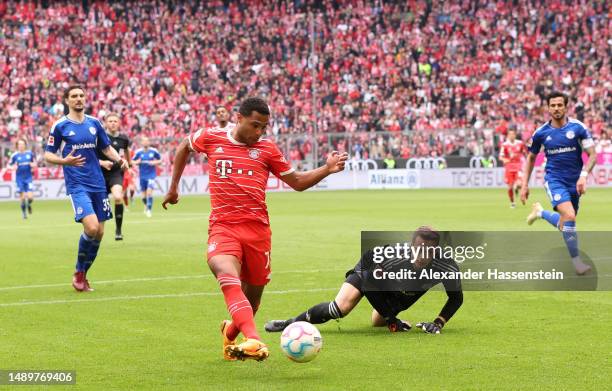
x=587 y=143
x=51 y=140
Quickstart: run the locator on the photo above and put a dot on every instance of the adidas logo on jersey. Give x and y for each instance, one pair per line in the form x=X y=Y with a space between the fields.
x=548 y=138
x=71 y=133
x=219 y=149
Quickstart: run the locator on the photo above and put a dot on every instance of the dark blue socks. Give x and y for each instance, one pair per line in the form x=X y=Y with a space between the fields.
x=88 y=251
x=551 y=217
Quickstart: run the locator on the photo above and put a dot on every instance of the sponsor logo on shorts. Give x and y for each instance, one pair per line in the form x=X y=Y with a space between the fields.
x=212 y=246
x=79 y=210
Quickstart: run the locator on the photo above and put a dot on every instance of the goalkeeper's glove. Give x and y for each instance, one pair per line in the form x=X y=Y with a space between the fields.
x=395 y=325
x=434 y=327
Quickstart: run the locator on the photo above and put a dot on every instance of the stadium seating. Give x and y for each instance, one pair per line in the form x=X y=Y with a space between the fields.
x=442 y=78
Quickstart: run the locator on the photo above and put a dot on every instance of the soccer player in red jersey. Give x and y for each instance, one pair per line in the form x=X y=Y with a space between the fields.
x=223 y=118
x=239 y=236
x=512 y=153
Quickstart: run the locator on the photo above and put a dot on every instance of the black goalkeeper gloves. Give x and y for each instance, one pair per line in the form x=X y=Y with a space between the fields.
x=396 y=326
x=434 y=327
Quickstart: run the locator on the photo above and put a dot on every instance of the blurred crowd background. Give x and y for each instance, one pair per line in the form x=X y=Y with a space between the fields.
x=375 y=78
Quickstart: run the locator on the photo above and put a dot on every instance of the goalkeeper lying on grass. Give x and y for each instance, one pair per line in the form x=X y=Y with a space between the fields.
x=388 y=303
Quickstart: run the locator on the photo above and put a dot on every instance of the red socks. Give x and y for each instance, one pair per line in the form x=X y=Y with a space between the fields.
x=238 y=306
x=511 y=195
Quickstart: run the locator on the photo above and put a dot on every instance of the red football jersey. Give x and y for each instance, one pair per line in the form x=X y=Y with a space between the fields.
x=238 y=174
x=513 y=151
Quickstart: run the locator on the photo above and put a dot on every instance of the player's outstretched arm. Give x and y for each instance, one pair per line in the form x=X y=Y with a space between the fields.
x=69 y=160
x=180 y=161
x=453 y=303
x=529 y=164
x=301 y=181
x=114 y=156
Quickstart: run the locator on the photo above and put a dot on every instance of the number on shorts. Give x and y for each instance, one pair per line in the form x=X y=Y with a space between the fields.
x=106 y=205
x=267 y=259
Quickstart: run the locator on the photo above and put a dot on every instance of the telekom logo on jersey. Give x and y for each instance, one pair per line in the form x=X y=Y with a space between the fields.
x=225 y=167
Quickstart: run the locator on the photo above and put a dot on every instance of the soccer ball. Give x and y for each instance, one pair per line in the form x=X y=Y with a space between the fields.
x=301 y=342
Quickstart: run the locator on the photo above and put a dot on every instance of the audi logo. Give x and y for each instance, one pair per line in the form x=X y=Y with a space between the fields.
x=476 y=161
x=426 y=163
x=361 y=165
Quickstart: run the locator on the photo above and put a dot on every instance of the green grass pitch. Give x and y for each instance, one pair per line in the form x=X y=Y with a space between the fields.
x=152 y=322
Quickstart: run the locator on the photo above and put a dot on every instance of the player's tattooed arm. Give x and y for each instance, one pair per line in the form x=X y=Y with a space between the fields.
x=180 y=161
x=301 y=181
x=529 y=164
x=581 y=184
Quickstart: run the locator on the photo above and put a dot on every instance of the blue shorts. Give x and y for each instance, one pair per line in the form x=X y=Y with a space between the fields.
x=24 y=185
x=147 y=184
x=559 y=192
x=88 y=203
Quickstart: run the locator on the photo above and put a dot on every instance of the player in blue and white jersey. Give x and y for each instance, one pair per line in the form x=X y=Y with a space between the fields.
x=79 y=135
x=563 y=140
x=147 y=158
x=23 y=162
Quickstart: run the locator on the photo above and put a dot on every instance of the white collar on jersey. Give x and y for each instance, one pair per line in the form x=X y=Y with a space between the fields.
x=231 y=139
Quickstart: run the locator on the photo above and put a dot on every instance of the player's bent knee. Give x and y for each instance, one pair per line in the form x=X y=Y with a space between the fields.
x=100 y=232
x=91 y=229
x=118 y=198
x=565 y=217
x=224 y=264
x=570 y=217
x=91 y=226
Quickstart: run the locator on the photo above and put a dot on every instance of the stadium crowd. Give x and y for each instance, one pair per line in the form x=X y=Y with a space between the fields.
x=440 y=78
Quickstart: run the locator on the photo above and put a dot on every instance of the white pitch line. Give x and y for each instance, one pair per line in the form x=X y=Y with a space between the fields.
x=7 y=288
x=198 y=276
x=169 y=278
x=137 y=222
x=164 y=296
